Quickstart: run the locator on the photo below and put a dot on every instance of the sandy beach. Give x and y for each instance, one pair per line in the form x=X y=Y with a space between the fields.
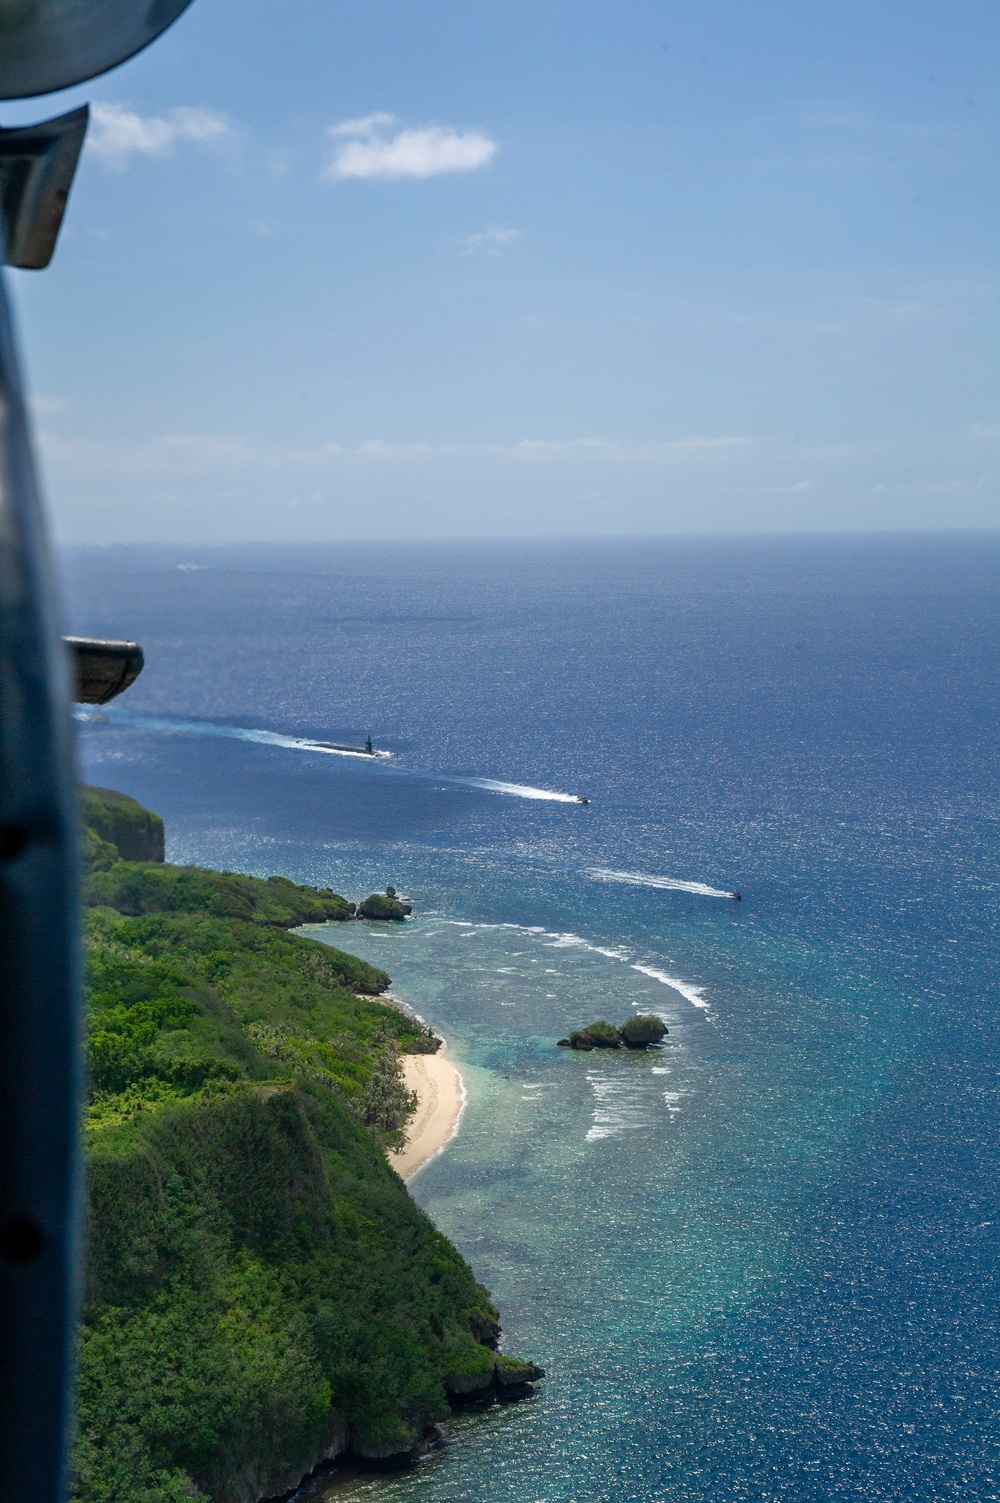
x=440 y=1098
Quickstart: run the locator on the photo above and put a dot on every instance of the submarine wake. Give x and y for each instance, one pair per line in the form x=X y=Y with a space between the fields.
x=179 y=727
x=172 y=725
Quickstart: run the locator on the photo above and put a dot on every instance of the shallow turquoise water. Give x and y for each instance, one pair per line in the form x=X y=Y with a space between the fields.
x=629 y=1212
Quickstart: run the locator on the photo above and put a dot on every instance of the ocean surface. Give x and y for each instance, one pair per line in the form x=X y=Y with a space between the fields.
x=762 y=1262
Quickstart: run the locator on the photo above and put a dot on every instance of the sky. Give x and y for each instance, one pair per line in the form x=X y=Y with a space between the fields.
x=363 y=269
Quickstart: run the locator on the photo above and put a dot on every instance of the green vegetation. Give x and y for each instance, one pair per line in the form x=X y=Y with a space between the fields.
x=642 y=1030
x=600 y=1035
x=131 y=832
x=261 y=1290
x=638 y=1033
x=135 y=888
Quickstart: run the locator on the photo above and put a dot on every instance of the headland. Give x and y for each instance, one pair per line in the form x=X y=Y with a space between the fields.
x=263 y=1295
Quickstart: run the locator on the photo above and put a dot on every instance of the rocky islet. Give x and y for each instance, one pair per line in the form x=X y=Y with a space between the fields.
x=644 y=1031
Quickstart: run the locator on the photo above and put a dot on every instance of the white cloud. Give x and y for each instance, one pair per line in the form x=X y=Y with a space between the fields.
x=118 y=133
x=365 y=125
x=378 y=448
x=646 y=451
x=490 y=242
x=985 y=430
x=364 y=149
x=221 y=453
x=176 y=454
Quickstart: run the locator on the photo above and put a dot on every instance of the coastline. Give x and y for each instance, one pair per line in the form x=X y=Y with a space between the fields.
x=441 y=1098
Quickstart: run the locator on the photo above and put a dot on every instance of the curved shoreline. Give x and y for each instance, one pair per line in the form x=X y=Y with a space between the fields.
x=441 y=1098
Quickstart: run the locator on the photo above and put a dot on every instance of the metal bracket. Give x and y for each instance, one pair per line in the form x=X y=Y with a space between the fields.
x=37 y=163
x=102 y=670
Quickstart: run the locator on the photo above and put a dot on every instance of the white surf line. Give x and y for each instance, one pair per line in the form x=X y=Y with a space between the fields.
x=618 y=1107
x=565 y=941
x=692 y=994
x=306 y=744
x=647 y=879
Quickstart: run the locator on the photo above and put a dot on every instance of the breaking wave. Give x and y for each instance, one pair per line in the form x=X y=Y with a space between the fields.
x=618 y=1107
x=555 y=940
x=692 y=994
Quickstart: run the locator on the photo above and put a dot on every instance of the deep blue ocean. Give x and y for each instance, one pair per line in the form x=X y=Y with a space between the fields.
x=761 y=1263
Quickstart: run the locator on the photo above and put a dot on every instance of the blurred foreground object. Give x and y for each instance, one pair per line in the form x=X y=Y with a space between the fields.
x=37 y=163
x=102 y=669
x=50 y=44
x=44 y=45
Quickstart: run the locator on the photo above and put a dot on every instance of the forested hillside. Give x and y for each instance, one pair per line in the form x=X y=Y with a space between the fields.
x=261 y=1291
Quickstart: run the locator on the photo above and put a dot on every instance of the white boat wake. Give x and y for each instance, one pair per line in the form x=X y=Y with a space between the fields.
x=647 y=879
x=515 y=790
x=178 y=727
x=237 y=733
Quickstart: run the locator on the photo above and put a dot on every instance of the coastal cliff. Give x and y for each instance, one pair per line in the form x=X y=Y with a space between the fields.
x=126 y=830
x=262 y=1293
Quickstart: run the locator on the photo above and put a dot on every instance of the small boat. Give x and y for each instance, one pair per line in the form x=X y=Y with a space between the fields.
x=736 y=895
x=581 y=800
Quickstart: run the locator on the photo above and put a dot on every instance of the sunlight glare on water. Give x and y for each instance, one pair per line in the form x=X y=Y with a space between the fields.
x=759 y=1263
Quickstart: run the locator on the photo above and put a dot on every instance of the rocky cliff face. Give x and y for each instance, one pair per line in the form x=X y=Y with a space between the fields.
x=135 y=832
x=262 y=1292
x=263 y=1295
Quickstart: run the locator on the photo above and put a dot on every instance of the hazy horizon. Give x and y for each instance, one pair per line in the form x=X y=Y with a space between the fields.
x=514 y=539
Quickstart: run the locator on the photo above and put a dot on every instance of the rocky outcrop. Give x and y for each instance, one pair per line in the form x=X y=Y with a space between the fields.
x=385 y=1450
x=514 y=1378
x=600 y=1035
x=504 y=1379
x=638 y=1033
x=247 y=1487
x=384 y=906
x=467 y=1385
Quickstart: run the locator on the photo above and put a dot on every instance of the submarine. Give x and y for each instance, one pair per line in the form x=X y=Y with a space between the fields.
x=360 y=751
